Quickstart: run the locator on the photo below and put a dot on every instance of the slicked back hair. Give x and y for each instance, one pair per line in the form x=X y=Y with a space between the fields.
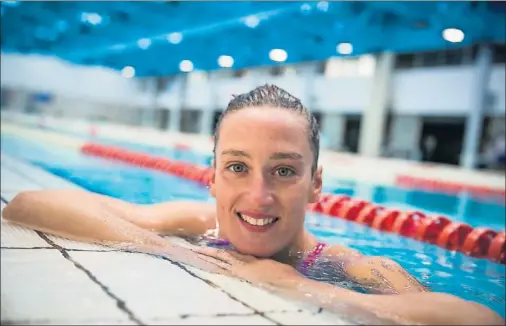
x=276 y=97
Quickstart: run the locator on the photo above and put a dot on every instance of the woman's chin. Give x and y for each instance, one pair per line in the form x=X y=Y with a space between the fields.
x=257 y=250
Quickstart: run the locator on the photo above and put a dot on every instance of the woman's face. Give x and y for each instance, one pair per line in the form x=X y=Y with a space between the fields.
x=263 y=181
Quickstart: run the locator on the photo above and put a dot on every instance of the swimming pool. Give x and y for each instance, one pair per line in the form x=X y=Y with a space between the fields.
x=441 y=270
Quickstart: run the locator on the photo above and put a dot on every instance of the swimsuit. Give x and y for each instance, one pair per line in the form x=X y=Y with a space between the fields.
x=325 y=271
x=307 y=262
x=304 y=265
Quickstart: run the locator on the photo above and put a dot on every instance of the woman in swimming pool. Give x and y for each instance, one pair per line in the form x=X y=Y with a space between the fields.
x=265 y=174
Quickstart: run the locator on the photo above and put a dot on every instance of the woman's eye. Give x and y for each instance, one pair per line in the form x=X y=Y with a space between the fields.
x=237 y=168
x=285 y=172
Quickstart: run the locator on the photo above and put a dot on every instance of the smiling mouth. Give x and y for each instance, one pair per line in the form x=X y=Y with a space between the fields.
x=257 y=221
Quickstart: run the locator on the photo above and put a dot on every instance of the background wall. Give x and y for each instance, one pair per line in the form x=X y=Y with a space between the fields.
x=438 y=91
x=339 y=91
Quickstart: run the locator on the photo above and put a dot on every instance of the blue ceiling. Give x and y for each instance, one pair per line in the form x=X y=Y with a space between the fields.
x=108 y=33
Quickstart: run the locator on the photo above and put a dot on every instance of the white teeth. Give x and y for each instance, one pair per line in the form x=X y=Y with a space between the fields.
x=256 y=221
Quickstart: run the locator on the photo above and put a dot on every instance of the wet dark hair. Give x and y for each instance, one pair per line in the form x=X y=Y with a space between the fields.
x=274 y=96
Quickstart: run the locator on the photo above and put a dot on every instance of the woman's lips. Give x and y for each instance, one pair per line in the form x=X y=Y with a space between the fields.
x=257 y=223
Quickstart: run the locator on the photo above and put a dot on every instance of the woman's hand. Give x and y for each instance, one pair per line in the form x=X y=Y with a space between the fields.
x=412 y=308
x=249 y=268
x=186 y=253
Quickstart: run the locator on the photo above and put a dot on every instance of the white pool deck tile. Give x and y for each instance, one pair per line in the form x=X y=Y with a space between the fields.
x=257 y=298
x=60 y=322
x=40 y=284
x=8 y=195
x=47 y=280
x=305 y=318
x=149 y=277
x=14 y=236
x=224 y=320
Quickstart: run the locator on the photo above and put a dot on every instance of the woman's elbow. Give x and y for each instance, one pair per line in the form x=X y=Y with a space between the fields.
x=464 y=312
x=13 y=211
x=482 y=315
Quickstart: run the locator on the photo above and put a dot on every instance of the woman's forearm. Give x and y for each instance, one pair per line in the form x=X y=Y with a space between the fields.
x=87 y=217
x=335 y=299
x=428 y=308
x=77 y=215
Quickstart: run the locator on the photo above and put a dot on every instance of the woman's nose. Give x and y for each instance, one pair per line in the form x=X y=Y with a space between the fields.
x=260 y=191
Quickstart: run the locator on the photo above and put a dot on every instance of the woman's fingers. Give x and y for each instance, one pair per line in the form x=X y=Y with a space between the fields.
x=242 y=257
x=206 y=263
x=222 y=265
x=218 y=262
x=208 y=251
x=215 y=253
x=224 y=254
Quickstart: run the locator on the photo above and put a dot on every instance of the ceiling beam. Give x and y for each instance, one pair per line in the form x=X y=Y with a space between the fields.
x=214 y=27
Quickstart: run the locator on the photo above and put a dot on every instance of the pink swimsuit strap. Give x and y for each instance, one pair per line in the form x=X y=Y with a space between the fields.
x=312 y=257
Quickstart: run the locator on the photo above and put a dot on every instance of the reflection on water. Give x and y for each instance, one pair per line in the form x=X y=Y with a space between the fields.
x=461 y=207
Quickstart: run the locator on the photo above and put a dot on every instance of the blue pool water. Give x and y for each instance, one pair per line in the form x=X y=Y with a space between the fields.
x=470 y=278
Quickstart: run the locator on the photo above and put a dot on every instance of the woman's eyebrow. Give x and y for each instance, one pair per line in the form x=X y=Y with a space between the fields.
x=235 y=152
x=286 y=155
x=274 y=156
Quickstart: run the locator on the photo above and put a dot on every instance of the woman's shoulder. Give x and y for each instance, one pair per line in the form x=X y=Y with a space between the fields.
x=326 y=250
x=338 y=251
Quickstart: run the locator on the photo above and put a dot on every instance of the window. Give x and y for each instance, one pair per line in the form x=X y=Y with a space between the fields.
x=321 y=66
x=404 y=60
x=276 y=71
x=161 y=84
x=453 y=57
x=240 y=73
x=432 y=59
x=499 y=53
x=474 y=52
x=6 y=96
x=190 y=121
x=467 y=55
